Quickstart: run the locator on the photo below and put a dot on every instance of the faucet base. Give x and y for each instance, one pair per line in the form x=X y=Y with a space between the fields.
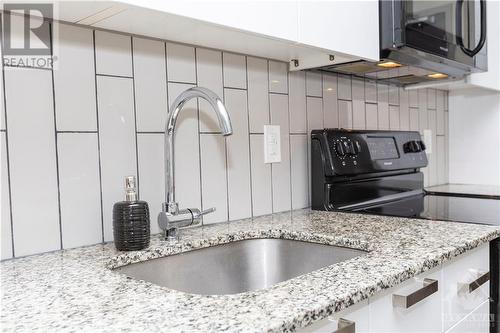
x=171 y=235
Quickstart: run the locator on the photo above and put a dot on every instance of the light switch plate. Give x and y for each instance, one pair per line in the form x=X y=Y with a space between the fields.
x=428 y=141
x=272 y=144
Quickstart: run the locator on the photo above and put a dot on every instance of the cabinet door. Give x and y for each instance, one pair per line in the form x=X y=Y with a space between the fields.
x=476 y=322
x=423 y=316
x=346 y=26
x=357 y=314
x=460 y=273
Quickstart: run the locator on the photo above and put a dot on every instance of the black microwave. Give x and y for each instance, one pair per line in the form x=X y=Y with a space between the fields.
x=445 y=36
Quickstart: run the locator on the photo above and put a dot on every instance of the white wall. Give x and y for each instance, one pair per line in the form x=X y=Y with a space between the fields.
x=73 y=133
x=474 y=137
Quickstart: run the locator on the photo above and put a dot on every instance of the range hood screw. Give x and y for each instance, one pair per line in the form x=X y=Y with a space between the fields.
x=295 y=62
x=332 y=57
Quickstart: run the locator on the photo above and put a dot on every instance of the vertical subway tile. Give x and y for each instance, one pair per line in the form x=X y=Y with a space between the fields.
x=431 y=98
x=74 y=80
x=345 y=114
x=414 y=119
x=187 y=157
x=281 y=170
x=261 y=177
x=150 y=81
x=440 y=160
x=314 y=84
x=383 y=106
x=358 y=104
x=258 y=96
x=433 y=157
x=209 y=74
x=299 y=171
x=394 y=117
x=278 y=72
x=180 y=63
x=413 y=98
x=370 y=91
x=422 y=106
x=371 y=116
x=6 y=239
x=330 y=106
x=393 y=95
x=115 y=102
x=297 y=102
x=151 y=174
x=314 y=113
x=32 y=140
x=344 y=87
x=404 y=110
x=446 y=97
x=80 y=190
x=235 y=71
x=113 y=53
x=213 y=177
x=238 y=156
x=440 y=128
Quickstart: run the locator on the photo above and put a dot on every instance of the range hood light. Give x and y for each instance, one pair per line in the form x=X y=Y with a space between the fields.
x=437 y=76
x=389 y=64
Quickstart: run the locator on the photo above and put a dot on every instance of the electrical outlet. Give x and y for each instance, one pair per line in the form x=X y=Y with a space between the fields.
x=272 y=144
x=428 y=141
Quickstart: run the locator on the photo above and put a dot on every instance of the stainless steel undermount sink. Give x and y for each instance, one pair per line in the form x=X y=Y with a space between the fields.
x=239 y=266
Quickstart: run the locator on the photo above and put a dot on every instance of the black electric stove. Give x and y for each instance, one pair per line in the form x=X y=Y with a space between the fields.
x=378 y=172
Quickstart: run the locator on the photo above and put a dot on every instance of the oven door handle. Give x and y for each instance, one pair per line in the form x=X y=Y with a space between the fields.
x=459 y=38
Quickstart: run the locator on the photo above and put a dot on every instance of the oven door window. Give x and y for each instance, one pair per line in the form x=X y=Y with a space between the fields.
x=451 y=29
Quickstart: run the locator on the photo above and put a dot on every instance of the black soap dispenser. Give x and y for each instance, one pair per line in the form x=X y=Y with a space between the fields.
x=131 y=228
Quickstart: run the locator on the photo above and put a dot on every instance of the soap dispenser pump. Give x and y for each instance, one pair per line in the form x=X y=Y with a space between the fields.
x=131 y=227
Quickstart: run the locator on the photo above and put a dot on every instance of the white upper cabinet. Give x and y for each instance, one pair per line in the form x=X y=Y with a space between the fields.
x=307 y=31
x=348 y=27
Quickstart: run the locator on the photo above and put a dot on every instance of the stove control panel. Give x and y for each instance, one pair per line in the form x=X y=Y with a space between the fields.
x=351 y=152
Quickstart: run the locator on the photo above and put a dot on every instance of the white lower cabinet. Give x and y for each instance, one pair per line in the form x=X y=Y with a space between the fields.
x=413 y=306
x=356 y=318
x=451 y=298
x=475 y=322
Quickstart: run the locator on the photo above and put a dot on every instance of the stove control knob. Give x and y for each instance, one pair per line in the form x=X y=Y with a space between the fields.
x=422 y=145
x=339 y=148
x=352 y=148
x=412 y=147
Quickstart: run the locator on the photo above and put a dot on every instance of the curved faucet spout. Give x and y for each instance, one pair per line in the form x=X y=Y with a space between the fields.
x=224 y=121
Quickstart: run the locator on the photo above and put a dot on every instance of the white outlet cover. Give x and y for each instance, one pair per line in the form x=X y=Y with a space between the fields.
x=272 y=144
x=428 y=141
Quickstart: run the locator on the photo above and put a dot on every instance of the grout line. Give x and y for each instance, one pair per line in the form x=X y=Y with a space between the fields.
x=270 y=122
x=98 y=136
x=235 y=88
x=167 y=111
x=277 y=93
x=200 y=173
x=289 y=139
x=135 y=119
x=28 y=67
x=181 y=82
x=55 y=139
x=7 y=146
x=118 y=76
x=83 y=131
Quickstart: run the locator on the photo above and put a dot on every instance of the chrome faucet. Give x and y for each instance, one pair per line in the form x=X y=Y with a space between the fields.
x=171 y=218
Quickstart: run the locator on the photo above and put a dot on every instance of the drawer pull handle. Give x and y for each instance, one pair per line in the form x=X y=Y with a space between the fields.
x=429 y=288
x=345 y=326
x=467 y=288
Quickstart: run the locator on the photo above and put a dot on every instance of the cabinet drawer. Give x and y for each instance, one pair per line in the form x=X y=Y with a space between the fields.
x=475 y=322
x=357 y=314
x=423 y=312
x=465 y=285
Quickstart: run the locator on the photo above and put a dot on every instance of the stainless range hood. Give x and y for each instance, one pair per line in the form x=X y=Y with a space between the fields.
x=425 y=42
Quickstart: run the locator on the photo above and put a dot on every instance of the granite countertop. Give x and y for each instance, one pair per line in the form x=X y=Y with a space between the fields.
x=76 y=289
x=467 y=189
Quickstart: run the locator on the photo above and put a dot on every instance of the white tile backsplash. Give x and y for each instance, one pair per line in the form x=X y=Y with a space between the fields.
x=258 y=94
x=74 y=80
x=115 y=98
x=113 y=54
x=235 y=71
x=209 y=74
x=80 y=189
x=32 y=160
x=150 y=83
x=137 y=78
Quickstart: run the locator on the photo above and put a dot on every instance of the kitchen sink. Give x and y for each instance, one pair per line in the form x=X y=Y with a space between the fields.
x=239 y=266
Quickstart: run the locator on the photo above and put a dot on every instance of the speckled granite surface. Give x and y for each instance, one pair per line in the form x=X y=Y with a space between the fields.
x=75 y=290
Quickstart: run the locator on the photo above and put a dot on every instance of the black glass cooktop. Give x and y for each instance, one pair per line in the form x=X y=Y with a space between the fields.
x=447 y=208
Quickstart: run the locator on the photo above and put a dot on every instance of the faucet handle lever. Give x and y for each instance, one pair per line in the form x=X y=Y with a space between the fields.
x=198 y=214
x=208 y=211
